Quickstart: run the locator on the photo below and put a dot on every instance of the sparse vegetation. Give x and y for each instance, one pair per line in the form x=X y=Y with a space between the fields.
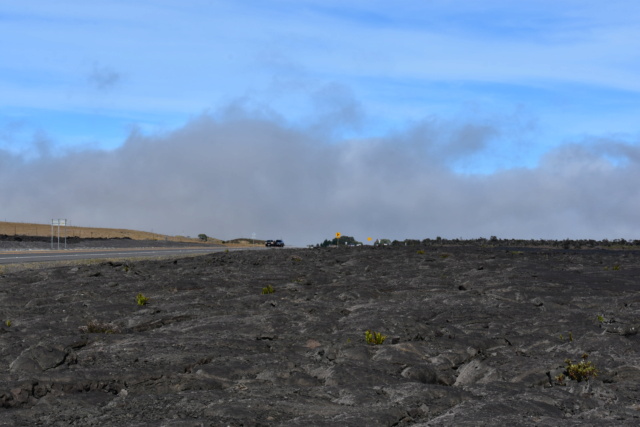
x=582 y=370
x=420 y=252
x=268 y=290
x=141 y=299
x=203 y=237
x=7 y=323
x=96 y=327
x=374 y=338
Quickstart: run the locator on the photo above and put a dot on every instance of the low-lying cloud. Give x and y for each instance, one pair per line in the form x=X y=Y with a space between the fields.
x=234 y=174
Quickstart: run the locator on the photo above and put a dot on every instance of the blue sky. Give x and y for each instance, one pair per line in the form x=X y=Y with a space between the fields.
x=484 y=88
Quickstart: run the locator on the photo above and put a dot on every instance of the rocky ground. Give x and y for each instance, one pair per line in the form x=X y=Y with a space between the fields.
x=474 y=336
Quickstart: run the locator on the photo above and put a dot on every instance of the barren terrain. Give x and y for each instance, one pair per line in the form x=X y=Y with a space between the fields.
x=22 y=231
x=474 y=336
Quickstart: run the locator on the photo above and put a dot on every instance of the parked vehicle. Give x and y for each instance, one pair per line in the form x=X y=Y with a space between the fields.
x=275 y=243
x=268 y=243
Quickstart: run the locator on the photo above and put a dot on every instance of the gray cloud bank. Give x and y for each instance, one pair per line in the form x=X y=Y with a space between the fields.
x=234 y=174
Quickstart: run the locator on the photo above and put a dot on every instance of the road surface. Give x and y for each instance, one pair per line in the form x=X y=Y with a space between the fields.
x=16 y=257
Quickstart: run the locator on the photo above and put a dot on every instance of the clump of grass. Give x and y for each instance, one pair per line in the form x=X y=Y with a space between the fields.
x=268 y=290
x=96 y=327
x=582 y=370
x=141 y=299
x=7 y=323
x=374 y=338
x=600 y=318
x=570 y=337
x=420 y=252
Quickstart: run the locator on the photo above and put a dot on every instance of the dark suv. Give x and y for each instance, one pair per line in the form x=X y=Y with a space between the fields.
x=276 y=243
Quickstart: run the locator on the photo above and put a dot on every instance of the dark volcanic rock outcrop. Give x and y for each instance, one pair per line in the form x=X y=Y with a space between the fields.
x=475 y=336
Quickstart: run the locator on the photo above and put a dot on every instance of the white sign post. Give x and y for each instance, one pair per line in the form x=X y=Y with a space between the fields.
x=59 y=222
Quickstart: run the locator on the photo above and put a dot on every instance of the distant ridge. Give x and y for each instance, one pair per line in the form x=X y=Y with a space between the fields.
x=44 y=230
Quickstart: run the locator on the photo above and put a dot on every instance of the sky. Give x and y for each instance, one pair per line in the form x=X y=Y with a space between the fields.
x=298 y=119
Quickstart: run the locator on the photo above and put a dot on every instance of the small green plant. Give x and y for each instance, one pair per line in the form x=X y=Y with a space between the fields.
x=420 y=252
x=444 y=256
x=616 y=267
x=560 y=379
x=374 y=338
x=7 y=323
x=570 y=337
x=600 y=318
x=582 y=370
x=268 y=290
x=141 y=299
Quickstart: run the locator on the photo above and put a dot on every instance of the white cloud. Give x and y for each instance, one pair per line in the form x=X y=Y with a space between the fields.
x=237 y=174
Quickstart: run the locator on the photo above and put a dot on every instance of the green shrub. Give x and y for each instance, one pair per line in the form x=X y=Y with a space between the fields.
x=420 y=252
x=268 y=290
x=374 y=338
x=141 y=299
x=7 y=323
x=582 y=370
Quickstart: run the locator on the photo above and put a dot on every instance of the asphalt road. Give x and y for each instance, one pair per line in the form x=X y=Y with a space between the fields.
x=51 y=256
